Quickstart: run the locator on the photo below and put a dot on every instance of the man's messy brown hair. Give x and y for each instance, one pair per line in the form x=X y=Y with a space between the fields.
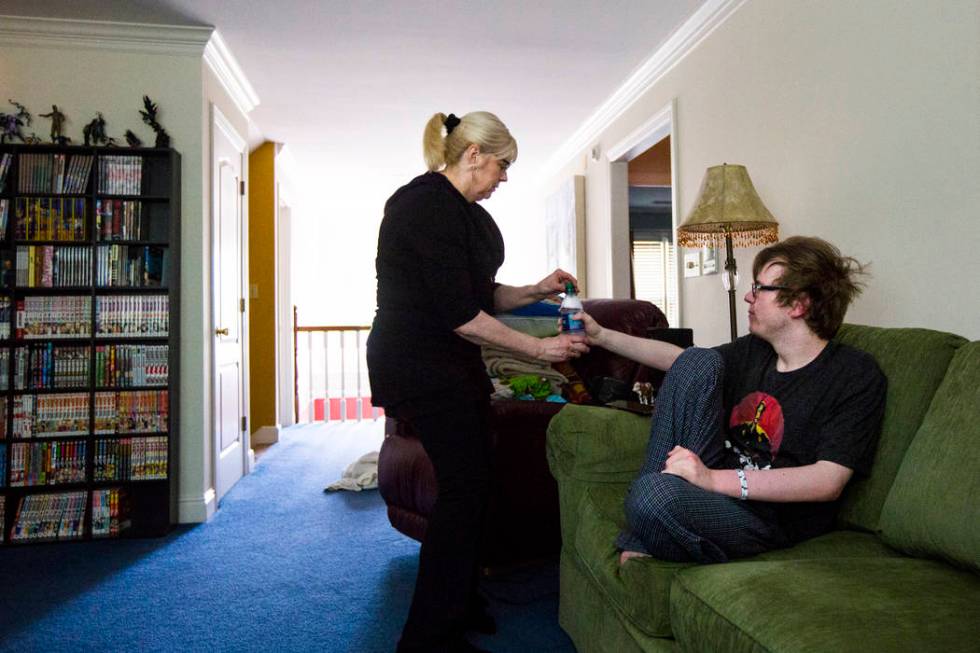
x=814 y=270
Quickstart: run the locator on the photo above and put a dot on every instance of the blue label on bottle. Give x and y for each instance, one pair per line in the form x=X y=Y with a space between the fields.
x=570 y=325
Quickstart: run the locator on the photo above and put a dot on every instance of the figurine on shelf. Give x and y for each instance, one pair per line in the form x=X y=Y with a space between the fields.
x=150 y=118
x=10 y=123
x=57 y=125
x=33 y=139
x=132 y=139
x=94 y=132
x=10 y=126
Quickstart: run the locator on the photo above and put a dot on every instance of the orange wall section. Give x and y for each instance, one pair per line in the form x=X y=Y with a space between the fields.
x=262 y=285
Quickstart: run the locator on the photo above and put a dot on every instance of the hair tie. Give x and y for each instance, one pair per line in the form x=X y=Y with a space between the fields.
x=450 y=122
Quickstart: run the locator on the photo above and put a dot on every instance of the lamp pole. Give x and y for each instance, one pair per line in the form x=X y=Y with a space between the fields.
x=731 y=274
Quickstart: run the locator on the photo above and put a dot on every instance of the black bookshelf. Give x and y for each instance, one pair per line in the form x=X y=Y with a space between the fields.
x=89 y=292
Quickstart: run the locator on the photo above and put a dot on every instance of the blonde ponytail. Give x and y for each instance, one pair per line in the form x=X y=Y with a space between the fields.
x=477 y=127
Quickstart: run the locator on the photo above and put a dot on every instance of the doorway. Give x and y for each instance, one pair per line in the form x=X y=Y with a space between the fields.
x=644 y=216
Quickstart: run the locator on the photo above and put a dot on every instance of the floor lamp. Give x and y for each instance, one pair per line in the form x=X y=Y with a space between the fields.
x=728 y=210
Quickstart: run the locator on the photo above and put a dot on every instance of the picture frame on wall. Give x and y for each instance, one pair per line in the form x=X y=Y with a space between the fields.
x=709 y=260
x=564 y=221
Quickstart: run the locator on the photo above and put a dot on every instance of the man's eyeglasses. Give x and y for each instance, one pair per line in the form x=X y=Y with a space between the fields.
x=758 y=287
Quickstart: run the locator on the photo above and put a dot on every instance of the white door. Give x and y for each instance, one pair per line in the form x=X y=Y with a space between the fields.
x=228 y=390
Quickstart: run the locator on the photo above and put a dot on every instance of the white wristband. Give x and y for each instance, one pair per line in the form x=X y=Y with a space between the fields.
x=743 y=484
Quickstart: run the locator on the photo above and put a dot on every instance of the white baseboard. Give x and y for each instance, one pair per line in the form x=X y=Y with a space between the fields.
x=266 y=435
x=197 y=510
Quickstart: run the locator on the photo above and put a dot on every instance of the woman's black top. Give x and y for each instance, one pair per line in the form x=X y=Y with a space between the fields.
x=438 y=255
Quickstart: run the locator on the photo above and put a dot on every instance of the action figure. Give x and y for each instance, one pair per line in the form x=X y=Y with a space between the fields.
x=10 y=123
x=94 y=132
x=57 y=125
x=132 y=139
x=150 y=118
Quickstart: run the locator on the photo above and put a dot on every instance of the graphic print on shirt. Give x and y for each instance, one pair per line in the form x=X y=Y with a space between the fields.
x=755 y=430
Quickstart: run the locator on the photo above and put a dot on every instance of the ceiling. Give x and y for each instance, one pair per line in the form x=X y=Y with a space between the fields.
x=349 y=85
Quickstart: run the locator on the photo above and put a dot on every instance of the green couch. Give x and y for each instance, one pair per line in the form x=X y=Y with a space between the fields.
x=900 y=573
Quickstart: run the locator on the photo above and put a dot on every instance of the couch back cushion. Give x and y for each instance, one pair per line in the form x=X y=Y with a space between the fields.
x=630 y=316
x=933 y=509
x=914 y=362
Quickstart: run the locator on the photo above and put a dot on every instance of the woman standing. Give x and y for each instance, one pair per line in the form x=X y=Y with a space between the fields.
x=438 y=255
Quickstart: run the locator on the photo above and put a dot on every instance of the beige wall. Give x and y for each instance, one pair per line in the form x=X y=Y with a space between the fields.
x=859 y=122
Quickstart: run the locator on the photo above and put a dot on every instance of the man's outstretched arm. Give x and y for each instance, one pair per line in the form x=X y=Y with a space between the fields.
x=652 y=353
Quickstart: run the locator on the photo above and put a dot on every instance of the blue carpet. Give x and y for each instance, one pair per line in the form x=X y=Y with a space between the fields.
x=281 y=567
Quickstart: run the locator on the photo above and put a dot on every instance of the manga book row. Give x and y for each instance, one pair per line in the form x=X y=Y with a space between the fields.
x=47 y=266
x=120 y=175
x=109 y=512
x=138 y=316
x=45 y=366
x=57 y=174
x=118 y=220
x=67 y=414
x=134 y=266
x=5 y=162
x=130 y=459
x=51 y=218
x=57 y=516
x=50 y=462
x=50 y=266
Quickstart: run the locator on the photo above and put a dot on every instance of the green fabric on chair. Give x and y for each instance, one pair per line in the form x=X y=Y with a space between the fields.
x=640 y=589
x=590 y=443
x=914 y=362
x=594 y=625
x=834 y=545
x=933 y=509
x=881 y=606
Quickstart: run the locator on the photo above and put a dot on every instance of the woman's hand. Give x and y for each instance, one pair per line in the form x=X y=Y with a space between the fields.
x=687 y=464
x=562 y=347
x=554 y=283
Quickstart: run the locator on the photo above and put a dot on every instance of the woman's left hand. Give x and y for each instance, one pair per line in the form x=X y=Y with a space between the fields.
x=554 y=283
x=687 y=464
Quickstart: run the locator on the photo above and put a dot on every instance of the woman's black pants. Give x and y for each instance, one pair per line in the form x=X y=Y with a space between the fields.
x=455 y=439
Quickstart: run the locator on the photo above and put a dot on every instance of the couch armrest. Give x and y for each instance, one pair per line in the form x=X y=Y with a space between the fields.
x=596 y=445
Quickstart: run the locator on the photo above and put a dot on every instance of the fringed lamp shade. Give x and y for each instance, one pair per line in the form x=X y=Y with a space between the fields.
x=728 y=205
x=728 y=211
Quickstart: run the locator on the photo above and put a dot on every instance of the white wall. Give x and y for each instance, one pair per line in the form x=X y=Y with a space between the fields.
x=81 y=81
x=858 y=122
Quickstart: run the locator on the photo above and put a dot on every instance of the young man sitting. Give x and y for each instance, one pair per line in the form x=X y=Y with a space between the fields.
x=752 y=442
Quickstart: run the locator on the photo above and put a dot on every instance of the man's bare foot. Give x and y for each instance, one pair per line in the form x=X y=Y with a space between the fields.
x=626 y=555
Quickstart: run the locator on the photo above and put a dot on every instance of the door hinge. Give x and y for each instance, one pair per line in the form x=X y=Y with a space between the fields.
x=242 y=186
x=241 y=304
x=243 y=423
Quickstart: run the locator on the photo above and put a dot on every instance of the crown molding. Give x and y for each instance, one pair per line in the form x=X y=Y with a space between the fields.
x=694 y=30
x=224 y=65
x=128 y=37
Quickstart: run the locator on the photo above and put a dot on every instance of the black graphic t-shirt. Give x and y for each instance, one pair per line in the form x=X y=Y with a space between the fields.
x=830 y=409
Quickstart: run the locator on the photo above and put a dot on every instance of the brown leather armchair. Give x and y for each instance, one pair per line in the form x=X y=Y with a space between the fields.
x=522 y=516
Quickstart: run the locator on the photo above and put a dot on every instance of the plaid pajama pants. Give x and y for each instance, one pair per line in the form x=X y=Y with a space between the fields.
x=672 y=519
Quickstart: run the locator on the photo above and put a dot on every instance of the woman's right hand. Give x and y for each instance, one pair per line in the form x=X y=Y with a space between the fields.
x=562 y=347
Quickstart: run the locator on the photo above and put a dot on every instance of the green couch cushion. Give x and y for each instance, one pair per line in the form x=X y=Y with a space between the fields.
x=835 y=544
x=933 y=509
x=638 y=590
x=861 y=605
x=914 y=361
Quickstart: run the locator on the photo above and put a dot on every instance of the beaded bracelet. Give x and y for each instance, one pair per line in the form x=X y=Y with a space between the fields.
x=743 y=484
